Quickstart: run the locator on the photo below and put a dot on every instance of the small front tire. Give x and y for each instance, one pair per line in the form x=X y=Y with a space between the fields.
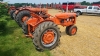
x=71 y=30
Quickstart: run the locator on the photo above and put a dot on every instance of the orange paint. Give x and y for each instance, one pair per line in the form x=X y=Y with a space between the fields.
x=39 y=15
x=48 y=37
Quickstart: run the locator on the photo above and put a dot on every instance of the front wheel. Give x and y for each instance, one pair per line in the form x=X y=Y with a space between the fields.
x=46 y=36
x=71 y=30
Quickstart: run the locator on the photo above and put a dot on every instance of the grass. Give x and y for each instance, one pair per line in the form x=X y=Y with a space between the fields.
x=14 y=43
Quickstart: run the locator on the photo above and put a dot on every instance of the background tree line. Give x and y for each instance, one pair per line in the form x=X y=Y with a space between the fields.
x=34 y=5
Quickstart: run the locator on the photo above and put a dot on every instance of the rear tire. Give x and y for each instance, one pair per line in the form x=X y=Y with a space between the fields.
x=25 y=28
x=11 y=13
x=20 y=16
x=41 y=31
x=14 y=15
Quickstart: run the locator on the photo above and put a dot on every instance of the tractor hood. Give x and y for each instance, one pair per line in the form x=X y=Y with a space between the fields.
x=65 y=15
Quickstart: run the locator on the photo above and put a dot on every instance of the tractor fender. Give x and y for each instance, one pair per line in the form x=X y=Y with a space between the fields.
x=17 y=11
x=34 y=22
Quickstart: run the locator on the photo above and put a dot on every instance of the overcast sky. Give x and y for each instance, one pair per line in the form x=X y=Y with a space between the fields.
x=46 y=1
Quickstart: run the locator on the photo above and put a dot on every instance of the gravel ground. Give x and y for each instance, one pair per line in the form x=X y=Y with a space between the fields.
x=85 y=43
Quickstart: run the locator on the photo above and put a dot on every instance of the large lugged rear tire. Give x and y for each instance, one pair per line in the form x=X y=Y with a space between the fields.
x=46 y=36
x=11 y=13
x=25 y=28
x=22 y=15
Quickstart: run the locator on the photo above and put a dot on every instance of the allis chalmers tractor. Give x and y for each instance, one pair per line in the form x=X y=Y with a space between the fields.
x=12 y=10
x=43 y=27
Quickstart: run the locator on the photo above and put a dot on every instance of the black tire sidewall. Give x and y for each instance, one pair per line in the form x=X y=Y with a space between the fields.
x=70 y=30
x=20 y=15
x=67 y=30
x=39 y=32
x=11 y=13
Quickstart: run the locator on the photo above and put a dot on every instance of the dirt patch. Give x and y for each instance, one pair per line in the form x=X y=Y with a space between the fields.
x=85 y=43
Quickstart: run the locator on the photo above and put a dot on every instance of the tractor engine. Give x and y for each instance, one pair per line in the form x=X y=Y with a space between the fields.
x=66 y=19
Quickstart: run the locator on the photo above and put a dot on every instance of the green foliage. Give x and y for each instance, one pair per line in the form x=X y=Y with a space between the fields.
x=3 y=23
x=3 y=17
x=1 y=0
x=23 y=4
x=11 y=41
x=3 y=9
x=2 y=26
x=14 y=43
x=85 y=3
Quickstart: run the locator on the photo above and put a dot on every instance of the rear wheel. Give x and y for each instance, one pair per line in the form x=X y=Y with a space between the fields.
x=11 y=13
x=14 y=15
x=46 y=36
x=25 y=28
x=22 y=16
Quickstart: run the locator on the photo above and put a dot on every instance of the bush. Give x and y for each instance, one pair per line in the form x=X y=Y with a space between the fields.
x=3 y=23
x=3 y=16
x=3 y=9
x=2 y=26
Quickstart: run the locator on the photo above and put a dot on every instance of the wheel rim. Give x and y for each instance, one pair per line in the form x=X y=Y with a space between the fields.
x=73 y=31
x=24 y=18
x=49 y=38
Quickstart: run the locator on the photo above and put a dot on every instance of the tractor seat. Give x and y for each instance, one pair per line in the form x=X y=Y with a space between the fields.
x=44 y=16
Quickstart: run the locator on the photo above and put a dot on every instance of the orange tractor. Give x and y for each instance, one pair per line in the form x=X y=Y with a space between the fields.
x=43 y=27
x=12 y=10
x=24 y=12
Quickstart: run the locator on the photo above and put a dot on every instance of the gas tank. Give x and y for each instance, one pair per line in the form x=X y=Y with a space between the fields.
x=65 y=15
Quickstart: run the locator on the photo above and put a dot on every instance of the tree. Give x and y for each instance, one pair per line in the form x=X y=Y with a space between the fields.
x=1 y=0
x=59 y=3
x=85 y=3
x=88 y=3
x=3 y=16
x=3 y=9
x=34 y=5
